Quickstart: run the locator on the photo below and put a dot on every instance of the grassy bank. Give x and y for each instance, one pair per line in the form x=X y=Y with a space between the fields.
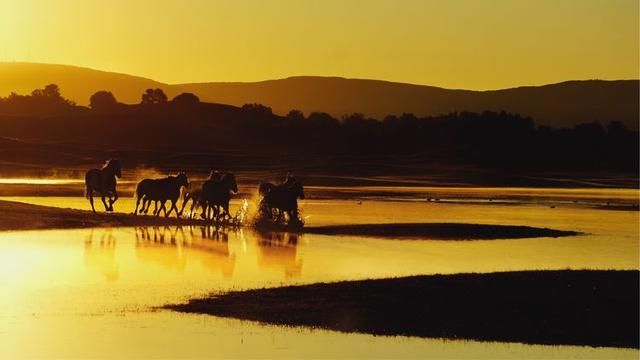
x=596 y=308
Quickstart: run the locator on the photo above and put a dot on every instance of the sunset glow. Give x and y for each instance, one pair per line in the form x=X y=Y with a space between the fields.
x=331 y=179
x=454 y=44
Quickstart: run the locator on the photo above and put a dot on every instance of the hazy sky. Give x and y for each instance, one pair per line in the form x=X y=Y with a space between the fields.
x=475 y=44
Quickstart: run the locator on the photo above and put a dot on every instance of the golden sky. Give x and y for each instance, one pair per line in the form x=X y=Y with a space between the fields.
x=473 y=44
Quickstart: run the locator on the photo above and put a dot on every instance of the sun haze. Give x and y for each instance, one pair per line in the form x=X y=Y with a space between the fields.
x=454 y=44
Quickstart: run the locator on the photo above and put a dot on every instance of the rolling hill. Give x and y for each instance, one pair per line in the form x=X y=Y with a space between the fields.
x=559 y=105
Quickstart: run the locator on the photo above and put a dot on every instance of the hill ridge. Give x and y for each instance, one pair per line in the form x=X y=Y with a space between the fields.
x=562 y=104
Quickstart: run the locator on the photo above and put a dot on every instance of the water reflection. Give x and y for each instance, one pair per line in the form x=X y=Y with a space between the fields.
x=278 y=250
x=101 y=286
x=99 y=255
x=173 y=246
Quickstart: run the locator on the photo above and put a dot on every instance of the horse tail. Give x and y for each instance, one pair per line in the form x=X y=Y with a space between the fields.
x=139 y=189
x=87 y=180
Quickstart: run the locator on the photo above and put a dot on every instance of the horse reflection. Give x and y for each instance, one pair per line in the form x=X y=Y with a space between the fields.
x=174 y=247
x=278 y=250
x=214 y=245
x=100 y=255
x=160 y=235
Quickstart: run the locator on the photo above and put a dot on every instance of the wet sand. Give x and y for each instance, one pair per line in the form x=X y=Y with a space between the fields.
x=587 y=307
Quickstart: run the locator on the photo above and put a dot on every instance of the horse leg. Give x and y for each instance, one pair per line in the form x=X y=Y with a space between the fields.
x=90 y=196
x=106 y=207
x=138 y=201
x=184 y=204
x=293 y=216
x=173 y=208
x=205 y=208
x=194 y=204
x=164 y=207
x=215 y=213
x=115 y=198
x=137 y=204
x=225 y=212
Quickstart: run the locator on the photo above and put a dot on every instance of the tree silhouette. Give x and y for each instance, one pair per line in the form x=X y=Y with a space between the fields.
x=258 y=110
x=154 y=96
x=186 y=99
x=295 y=115
x=52 y=91
x=102 y=100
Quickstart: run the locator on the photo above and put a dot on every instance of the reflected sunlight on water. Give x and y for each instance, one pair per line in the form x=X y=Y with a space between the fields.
x=94 y=292
x=43 y=181
x=107 y=282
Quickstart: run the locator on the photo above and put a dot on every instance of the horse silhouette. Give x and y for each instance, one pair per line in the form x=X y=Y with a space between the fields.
x=216 y=193
x=283 y=198
x=196 y=200
x=159 y=191
x=195 y=196
x=103 y=181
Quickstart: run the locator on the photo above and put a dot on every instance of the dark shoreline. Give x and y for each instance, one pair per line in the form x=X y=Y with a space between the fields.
x=440 y=231
x=22 y=216
x=593 y=308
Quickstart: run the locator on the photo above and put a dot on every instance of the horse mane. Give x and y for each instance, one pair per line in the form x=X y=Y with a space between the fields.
x=107 y=164
x=265 y=187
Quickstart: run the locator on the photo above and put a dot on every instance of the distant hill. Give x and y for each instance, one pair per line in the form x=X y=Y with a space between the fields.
x=76 y=83
x=560 y=105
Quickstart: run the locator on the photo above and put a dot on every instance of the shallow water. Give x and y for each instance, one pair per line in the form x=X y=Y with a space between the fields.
x=94 y=292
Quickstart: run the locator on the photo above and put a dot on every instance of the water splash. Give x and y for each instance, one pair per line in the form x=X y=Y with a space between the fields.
x=271 y=218
x=241 y=214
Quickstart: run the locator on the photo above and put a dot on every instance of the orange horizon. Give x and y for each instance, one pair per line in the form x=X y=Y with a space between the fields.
x=503 y=44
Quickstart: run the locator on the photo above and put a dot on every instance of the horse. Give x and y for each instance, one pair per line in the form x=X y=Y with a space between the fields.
x=196 y=200
x=216 y=192
x=195 y=196
x=283 y=197
x=160 y=190
x=103 y=181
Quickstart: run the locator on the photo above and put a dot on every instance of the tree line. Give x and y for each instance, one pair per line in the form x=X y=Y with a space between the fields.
x=490 y=138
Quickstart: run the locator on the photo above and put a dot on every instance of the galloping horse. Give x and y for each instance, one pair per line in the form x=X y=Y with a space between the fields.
x=216 y=192
x=283 y=197
x=160 y=190
x=103 y=181
x=196 y=200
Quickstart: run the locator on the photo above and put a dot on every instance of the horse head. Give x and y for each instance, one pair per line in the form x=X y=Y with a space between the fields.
x=293 y=186
x=182 y=180
x=114 y=166
x=230 y=180
x=265 y=188
x=298 y=189
x=215 y=175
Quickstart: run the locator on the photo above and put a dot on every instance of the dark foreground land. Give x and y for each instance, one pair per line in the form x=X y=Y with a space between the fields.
x=595 y=308
x=444 y=231
x=21 y=216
